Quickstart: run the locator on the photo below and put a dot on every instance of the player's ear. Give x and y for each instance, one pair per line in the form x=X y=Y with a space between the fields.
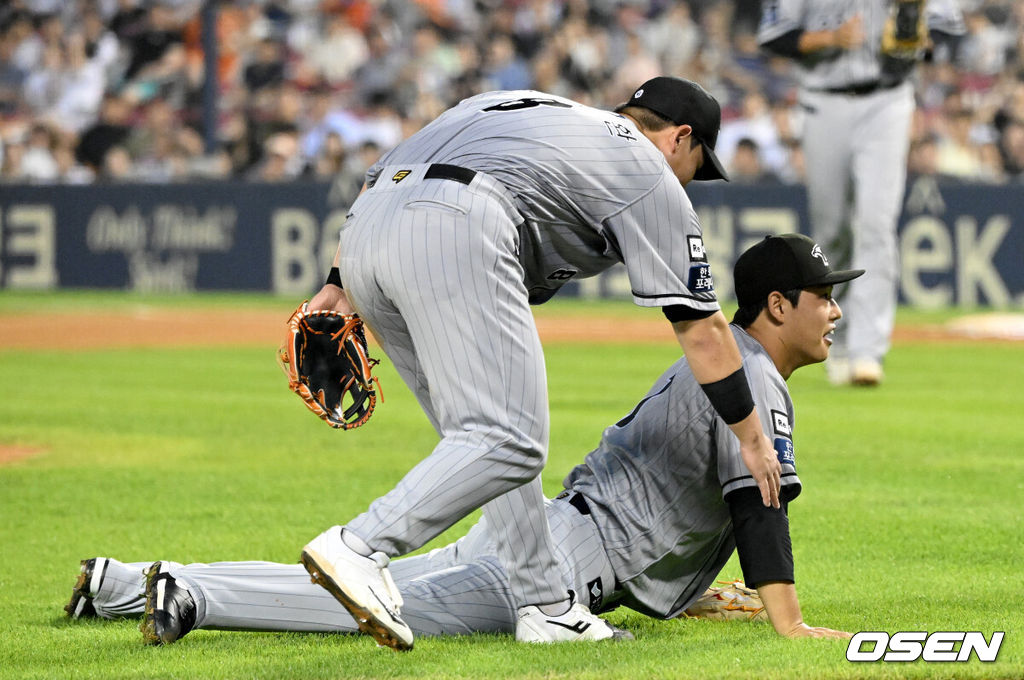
x=776 y=306
x=683 y=133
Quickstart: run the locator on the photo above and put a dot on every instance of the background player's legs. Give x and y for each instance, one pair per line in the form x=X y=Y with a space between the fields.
x=443 y=257
x=880 y=174
x=827 y=143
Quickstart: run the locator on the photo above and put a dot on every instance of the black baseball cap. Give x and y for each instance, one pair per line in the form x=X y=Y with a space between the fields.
x=684 y=102
x=782 y=263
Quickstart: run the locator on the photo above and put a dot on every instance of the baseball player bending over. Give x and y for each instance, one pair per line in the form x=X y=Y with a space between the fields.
x=647 y=521
x=490 y=208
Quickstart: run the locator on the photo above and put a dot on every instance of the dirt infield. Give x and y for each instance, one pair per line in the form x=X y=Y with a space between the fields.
x=185 y=328
x=12 y=454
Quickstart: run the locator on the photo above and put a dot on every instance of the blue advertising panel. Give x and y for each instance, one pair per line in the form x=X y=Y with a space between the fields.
x=958 y=244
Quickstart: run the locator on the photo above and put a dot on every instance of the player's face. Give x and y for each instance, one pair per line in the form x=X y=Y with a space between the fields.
x=685 y=159
x=808 y=333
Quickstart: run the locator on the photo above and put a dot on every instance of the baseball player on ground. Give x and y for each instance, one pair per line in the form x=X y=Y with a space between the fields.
x=855 y=60
x=647 y=521
x=489 y=209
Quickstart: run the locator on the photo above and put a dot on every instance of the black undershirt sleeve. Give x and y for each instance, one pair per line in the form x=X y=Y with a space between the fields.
x=786 y=45
x=762 y=536
x=676 y=313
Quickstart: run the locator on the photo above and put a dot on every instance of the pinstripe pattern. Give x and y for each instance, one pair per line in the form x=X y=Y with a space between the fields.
x=433 y=271
x=445 y=272
x=658 y=534
x=655 y=485
x=122 y=592
x=847 y=67
x=592 y=189
x=459 y=589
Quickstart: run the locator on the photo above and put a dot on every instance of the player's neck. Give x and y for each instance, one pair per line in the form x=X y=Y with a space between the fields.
x=766 y=333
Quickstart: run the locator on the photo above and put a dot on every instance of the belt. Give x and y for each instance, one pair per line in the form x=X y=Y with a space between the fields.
x=452 y=172
x=861 y=89
x=576 y=500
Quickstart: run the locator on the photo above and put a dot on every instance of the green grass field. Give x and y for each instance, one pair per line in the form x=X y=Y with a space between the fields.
x=912 y=516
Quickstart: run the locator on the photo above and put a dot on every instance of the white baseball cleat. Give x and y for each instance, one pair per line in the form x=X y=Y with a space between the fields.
x=866 y=372
x=363 y=585
x=575 y=625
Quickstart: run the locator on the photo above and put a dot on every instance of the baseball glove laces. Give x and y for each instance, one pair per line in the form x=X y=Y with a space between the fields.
x=325 y=358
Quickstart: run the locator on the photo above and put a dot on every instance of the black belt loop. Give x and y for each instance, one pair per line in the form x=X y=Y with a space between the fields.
x=578 y=501
x=452 y=172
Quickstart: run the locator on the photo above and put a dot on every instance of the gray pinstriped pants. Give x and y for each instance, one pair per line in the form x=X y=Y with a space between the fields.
x=459 y=589
x=855 y=150
x=432 y=266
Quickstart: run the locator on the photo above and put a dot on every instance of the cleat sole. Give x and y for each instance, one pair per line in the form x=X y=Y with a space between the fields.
x=367 y=622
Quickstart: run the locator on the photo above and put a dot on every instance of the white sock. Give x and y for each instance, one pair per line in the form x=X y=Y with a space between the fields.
x=555 y=608
x=356 y=543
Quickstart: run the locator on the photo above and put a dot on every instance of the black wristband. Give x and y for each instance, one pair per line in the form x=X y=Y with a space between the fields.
x=676 y=313
x=334 y=278
x=731 y=397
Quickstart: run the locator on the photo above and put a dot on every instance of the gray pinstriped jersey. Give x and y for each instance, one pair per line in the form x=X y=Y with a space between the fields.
x=842 y=68
x=592 y=189
x=657 y=481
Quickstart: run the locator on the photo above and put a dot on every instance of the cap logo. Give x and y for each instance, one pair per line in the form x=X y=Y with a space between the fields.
x=816 y=252
x=639 y=93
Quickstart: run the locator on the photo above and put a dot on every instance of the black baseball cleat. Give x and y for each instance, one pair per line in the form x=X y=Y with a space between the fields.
x=90 y=578
x=170 y=609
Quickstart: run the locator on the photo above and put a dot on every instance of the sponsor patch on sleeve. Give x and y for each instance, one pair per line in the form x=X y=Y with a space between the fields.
x=700 y=280
x=784 y=451
x=697 y=252
x=780 y=424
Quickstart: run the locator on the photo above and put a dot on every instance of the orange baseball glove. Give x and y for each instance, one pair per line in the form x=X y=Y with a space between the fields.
x=325 y=358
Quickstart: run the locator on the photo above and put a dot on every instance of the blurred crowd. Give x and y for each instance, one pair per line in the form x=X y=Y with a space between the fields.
x=113 y=90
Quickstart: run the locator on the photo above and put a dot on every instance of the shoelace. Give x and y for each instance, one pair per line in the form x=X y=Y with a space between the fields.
x=382 y=562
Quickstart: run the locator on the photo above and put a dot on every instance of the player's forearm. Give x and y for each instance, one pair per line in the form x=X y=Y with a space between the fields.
x=709 y=346
x=815 y=41
x=717 y=365
x=748 y=430
x=783 y=607
x=714 y=359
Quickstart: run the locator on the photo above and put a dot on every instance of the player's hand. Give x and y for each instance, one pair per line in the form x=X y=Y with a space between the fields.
x=802 y=630
x=332 y=298
x=764 y=466
x=851 y=34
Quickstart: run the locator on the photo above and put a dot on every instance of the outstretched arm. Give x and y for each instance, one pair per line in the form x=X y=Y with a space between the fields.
x=766 y=557
x=715 y=361
x=783 y=609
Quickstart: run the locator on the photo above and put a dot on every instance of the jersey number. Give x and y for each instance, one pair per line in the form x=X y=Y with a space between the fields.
x=527 y=103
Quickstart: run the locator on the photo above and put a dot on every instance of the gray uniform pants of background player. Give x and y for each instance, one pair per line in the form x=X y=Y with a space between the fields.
x=459 y=589
x=859 y=145
x=432 y=267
